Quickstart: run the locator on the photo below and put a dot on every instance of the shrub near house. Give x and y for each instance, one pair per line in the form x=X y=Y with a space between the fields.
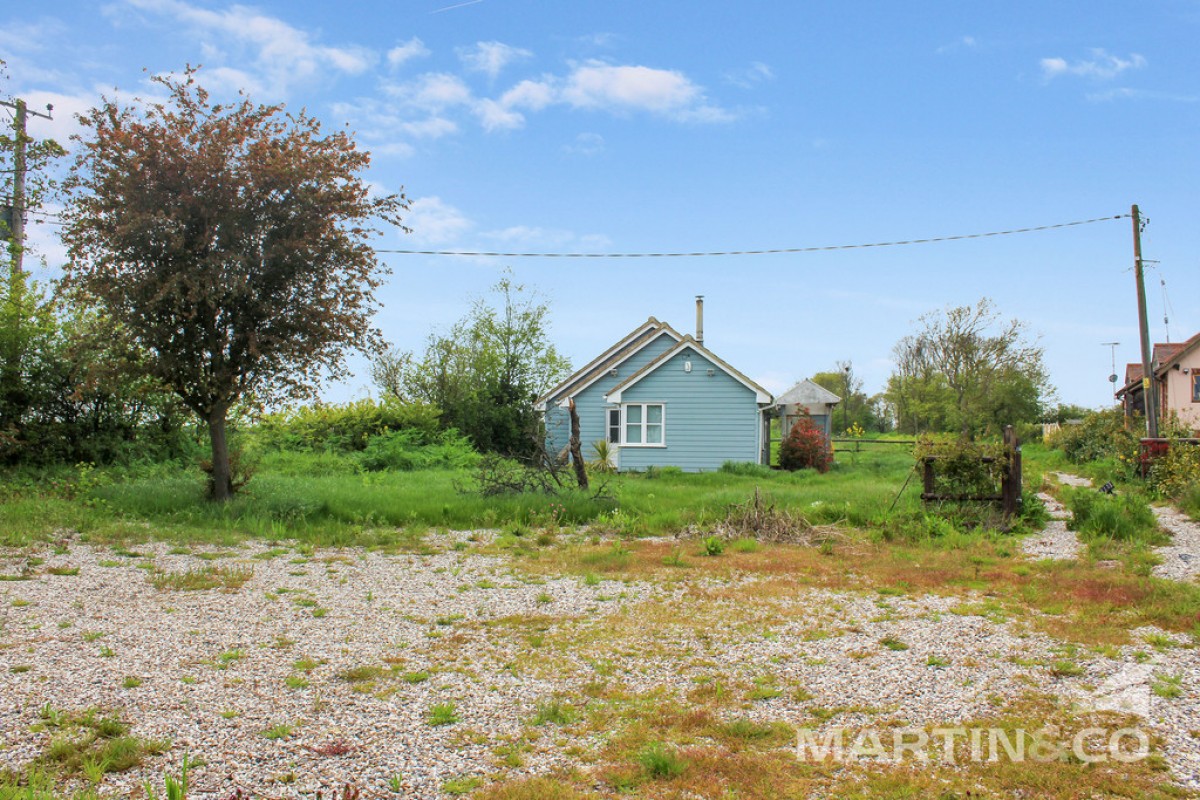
x=805 y=447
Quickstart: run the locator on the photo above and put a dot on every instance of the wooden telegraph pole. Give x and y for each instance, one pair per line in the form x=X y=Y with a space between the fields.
x=17 y=223
x=1149 y=388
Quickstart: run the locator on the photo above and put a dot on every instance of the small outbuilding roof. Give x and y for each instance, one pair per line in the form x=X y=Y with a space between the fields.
x=807 y=393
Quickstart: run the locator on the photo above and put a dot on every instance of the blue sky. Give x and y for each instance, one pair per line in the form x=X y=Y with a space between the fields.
x=630 y=126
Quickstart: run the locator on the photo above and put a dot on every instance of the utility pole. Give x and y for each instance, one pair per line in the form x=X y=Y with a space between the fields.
x=1112 y=376
x=17 y=247
x=846 y=399
x=1149 y=388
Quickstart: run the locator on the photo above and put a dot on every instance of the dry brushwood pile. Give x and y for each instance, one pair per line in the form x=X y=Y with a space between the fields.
x=759 y=518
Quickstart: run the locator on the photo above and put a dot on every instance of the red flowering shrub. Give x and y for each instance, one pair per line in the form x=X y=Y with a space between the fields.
x=805 y=447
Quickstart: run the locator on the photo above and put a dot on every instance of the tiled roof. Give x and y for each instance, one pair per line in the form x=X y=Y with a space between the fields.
x=1167 y=354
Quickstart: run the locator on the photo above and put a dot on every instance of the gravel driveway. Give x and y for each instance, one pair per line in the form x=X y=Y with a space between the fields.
x=350 y=652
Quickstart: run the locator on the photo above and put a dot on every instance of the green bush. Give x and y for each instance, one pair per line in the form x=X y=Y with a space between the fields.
x=1177 y=474
x=1124 y=517
x=1189 y=501
x=345 y=427
x=1101 y=435
x=410 y=449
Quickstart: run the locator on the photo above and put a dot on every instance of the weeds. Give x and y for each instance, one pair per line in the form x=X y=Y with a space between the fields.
x=204 y=578
x=174 y=788
x=280 y=730
x=1167 y=687
x=556 y=712
x=86 y=744
x=660 y=761
x=1124 y=517
x=442 y=714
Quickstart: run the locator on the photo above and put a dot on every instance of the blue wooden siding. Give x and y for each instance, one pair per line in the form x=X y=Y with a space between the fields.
x=590 y=405
x=709 y=420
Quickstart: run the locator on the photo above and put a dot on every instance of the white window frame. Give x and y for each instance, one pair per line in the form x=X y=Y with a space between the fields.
x=644 y=424
x=608 y=426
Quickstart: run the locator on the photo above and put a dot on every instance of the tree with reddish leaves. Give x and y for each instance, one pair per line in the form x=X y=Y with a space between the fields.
x=231 y=241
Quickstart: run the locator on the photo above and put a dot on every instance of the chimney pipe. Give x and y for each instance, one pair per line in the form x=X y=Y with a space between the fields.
x=700 y=319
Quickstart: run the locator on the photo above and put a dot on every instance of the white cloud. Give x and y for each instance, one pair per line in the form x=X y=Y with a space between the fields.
x=495 y=116
x=63 y=124
x=429 y=128
x=397 y=149
x=1101 y=66
x=1125 y=93
x=30 y=37
x=751 y=76
x=534 y=238
x=44 y=243
x=527 y=234
x=427 y=105
x=401 y=53
x=533 y=95
x=432 y=91
x=381 y=123
x=281 y=55
x=586 y=144
x=435 y=222
x=599 y=85
x=491 y=58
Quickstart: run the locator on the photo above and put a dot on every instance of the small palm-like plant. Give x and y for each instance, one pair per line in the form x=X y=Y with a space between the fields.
x=603 y=460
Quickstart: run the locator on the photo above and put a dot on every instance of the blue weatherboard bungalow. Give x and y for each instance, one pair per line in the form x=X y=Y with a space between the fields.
x=661 y=398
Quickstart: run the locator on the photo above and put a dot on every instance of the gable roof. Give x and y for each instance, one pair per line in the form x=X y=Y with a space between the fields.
x=761 y=395
x=611 y=358
x=807 y=393
x=1173 y=353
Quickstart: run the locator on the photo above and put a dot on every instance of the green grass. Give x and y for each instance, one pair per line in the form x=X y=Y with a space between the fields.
x=464 y=784
x=280 y=730
x=82 y=744
x=661 y=761
x=302 y=497
x=556 y=712
x=1123 y=517
x=442 y=714
x=209 y=577
x=1168 y=687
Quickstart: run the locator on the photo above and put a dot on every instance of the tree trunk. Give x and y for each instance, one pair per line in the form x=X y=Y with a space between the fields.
x=220 y=477
x=577 y=456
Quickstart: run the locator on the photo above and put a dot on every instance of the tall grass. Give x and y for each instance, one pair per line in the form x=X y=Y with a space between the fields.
x=327 y=498
x=1123 y=518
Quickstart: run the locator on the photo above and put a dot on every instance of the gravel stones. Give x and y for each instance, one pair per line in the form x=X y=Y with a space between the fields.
x=402 y=633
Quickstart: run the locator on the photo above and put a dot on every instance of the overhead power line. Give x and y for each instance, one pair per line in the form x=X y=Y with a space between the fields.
x=762 y=252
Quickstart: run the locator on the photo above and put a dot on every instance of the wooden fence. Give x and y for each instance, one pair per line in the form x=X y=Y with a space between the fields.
x=1009 y=496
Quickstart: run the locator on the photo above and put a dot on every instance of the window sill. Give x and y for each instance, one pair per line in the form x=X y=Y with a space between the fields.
x=646 y=446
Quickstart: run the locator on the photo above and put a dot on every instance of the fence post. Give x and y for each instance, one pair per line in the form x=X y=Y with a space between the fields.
x=928 y=477
x=1010 y=485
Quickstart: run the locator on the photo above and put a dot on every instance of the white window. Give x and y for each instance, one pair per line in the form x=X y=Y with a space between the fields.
x=644 y=424
x=614 y=426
